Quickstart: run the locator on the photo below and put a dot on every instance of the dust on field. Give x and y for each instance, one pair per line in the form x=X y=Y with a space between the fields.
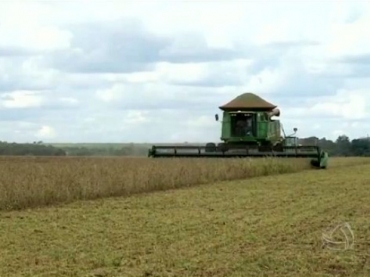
x=265 y=226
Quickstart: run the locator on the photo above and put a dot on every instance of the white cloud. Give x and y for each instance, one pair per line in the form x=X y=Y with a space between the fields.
x=110 y=95
x=136 y=117
x=69 y=100
x=349 y=105
x=21 y=25
x=46 y=132
x=116 y=71
x=267 y=80
x=347 y=37
x=190 y=72
x=21 y=99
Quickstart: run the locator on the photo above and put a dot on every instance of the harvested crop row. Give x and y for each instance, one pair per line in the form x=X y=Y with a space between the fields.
x=31 y=182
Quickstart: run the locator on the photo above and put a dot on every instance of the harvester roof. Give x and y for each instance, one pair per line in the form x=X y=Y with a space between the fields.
x=248 y=101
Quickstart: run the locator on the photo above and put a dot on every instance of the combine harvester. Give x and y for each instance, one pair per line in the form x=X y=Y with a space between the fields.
x=248 y=130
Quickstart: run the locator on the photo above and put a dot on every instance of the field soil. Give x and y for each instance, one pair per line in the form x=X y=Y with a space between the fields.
x=264 y=226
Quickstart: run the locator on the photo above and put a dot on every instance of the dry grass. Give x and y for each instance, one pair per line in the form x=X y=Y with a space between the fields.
x=265 y=226
x=31 y=182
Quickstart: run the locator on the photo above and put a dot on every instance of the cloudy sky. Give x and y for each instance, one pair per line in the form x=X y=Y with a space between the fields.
x=147 y=71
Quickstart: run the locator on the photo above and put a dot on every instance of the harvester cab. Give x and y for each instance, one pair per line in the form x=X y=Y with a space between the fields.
x=248 y=129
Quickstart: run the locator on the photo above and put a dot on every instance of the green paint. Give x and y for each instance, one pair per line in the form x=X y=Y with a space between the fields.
x=263 y=128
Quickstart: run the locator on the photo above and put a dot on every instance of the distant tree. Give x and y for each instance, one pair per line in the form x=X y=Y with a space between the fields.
x=360 y=147
x=343 y=146
x=29 y=149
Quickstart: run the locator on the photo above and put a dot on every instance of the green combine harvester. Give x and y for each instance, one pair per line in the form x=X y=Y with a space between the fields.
x=248 y=130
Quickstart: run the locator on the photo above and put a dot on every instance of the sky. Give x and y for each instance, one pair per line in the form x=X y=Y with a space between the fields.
x=157 y=71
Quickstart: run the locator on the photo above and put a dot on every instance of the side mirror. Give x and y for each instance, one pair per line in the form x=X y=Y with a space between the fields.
x=216 y=117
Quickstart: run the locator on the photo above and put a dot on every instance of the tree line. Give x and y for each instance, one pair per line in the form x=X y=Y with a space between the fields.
x=29 y=149
x=342 y=146
x=41 y=149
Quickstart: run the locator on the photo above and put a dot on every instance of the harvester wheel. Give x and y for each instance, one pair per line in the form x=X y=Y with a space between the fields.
x=316 y=164
x=265 y=148
x=210 y=147
x=278 y=147
x=222 y=147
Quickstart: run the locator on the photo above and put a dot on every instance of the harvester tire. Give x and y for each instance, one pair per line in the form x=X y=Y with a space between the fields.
x=316 y=164
x=267 y=147
x=210 y=147
x=279 y=147
x=222 y=147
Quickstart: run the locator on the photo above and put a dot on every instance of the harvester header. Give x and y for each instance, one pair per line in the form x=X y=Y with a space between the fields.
x=248 y=130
